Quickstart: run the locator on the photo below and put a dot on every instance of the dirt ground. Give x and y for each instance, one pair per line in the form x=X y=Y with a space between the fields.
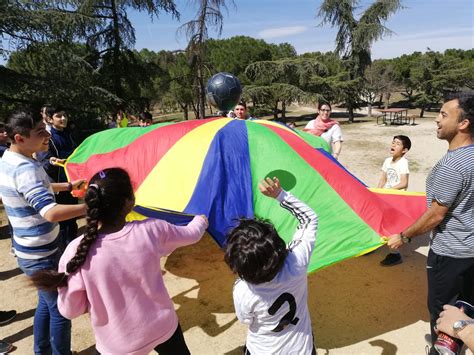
x=357 y=307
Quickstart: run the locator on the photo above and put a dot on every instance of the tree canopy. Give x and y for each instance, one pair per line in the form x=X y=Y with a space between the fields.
x=80 y=55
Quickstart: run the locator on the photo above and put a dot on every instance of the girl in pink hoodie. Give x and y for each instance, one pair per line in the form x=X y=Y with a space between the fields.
x=113 y=272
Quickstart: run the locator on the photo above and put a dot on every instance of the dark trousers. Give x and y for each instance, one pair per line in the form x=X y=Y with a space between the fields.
x=69 y=227
x=173 y=346
x=449 y=280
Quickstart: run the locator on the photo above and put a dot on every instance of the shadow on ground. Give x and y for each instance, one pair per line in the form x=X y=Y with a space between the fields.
x=203 y=262
x=25 y=333
x=349 y=302
x=5 y=275
x=5 y=231
x=89 y=351
x=357 y=299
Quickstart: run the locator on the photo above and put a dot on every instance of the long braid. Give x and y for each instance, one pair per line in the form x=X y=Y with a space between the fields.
x=51 y=279
x=92 y=199
x=105 y=199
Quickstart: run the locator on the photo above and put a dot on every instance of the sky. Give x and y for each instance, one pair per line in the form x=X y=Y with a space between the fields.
x=420 y=24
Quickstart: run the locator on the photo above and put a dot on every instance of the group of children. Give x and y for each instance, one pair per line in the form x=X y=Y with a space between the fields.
x=113 y=271
x=122 y=120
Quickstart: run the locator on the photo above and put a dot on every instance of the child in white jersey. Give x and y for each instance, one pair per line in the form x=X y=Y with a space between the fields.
x=113 y=272
x=395 y=175
x=271 y=293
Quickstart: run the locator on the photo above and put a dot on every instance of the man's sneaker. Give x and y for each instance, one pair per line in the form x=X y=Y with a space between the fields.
x=6 y=316
x=391 y=260
x=5 y=347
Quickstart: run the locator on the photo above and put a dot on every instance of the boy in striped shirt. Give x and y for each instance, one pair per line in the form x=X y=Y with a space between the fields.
x=28 y=198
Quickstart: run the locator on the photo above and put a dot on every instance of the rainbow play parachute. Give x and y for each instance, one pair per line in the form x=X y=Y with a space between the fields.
x=213 y=167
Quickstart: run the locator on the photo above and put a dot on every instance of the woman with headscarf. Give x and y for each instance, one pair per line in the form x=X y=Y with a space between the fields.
x=326 y=128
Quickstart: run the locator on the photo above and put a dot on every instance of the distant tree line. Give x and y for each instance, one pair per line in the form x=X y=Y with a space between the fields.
x=79 y=53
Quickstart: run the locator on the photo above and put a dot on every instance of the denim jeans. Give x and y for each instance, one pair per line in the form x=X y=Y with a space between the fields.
x=52 y=332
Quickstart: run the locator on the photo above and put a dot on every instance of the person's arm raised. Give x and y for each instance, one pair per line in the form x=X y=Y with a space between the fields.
x=305 y=237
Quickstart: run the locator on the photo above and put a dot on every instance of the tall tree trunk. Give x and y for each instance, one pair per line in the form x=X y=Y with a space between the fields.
x=369 y=109
x=184 y=107
x=422 y=111
x=201 y=93
x=200 y=59
x=380 y=100
x=350 y=111
x=186 y=113
x=195 y=110
x=116 y=50
x=275 y=111
x=387 y=99
x=409 y=94
x=283 y=110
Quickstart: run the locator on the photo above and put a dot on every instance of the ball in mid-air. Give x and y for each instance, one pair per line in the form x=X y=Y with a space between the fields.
x=223 y=91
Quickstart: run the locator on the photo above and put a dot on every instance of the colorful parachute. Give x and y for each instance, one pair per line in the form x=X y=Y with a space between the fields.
x=213 y=167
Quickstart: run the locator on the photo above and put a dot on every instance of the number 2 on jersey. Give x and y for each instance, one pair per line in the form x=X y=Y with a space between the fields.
x=289 y=317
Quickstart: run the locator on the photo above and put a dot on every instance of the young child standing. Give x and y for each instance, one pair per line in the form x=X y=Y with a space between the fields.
x=395 y=175
x=28 y=197
x=113 y=272
x=271 y=293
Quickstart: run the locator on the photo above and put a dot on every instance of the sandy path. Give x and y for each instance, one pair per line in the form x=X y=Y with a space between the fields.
x=356 y=306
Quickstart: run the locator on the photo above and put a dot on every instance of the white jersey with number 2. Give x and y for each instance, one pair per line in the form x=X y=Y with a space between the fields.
x=277 y=311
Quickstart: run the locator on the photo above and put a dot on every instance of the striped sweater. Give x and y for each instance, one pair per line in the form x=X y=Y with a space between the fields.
x=451 y=183
x=27 y=196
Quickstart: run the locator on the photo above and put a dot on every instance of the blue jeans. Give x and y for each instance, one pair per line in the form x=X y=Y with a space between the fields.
x=52 y=332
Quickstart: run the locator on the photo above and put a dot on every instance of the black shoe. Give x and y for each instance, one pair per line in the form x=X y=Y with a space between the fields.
x=6 y=316
x=391 y=260
x=5 y=347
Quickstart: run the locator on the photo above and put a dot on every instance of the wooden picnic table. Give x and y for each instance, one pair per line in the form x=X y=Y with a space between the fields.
x=395 y=116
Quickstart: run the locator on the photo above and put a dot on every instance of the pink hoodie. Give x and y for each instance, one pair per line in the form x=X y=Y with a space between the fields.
x=121 y=286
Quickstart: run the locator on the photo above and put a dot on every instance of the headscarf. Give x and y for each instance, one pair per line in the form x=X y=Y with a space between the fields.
x=320 y=126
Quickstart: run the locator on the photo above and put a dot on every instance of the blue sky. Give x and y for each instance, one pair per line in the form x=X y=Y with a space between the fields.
x=437 y=24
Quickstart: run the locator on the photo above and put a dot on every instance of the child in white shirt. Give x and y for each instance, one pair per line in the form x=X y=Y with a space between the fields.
x=395 y=175
x=271 y=293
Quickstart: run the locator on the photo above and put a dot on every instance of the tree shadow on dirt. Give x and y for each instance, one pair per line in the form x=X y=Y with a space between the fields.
x=203 y=262
x=349 y=302
x=358 y=299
